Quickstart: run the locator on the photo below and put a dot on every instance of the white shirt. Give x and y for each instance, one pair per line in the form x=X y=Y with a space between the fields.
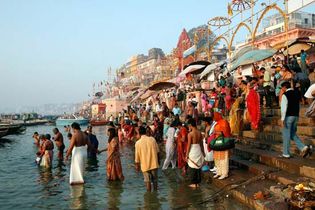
x=309 y=91
x=158 y=108
x=284 y=105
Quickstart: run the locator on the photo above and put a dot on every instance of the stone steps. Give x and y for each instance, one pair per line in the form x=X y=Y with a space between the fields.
x=274 y=145
x=245 y=193
x=258 y=153
x=301 y=130
x=271 y=173
x=277 y=112
x=303 y=121
x=274 y=136
x=295 y=165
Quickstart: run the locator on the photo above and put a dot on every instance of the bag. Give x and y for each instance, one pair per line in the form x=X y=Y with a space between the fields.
x=310 y=112
x=222 y=143
x=277 y=76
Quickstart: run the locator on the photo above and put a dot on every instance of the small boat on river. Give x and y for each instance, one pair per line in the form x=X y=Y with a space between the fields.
x=3 y=132
x=69 y=119
x=13 y=129
x=98 y=122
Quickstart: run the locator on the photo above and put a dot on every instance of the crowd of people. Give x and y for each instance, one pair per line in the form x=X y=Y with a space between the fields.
x=180 y=124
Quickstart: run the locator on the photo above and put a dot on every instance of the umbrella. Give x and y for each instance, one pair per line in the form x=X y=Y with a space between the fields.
x=252 y=57
x=296 y=48
x=193 y=69
x=211 y=68
x=140 y=93
x=239 y=52
x=147 y=94
x=205 y=63
x=284 y=44
x=161 y=86
x=135 y=88
x=132 y=93
x=98 y=94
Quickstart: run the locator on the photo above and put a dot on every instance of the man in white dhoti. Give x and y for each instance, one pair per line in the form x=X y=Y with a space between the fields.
x=195 y=154
x=78 y=147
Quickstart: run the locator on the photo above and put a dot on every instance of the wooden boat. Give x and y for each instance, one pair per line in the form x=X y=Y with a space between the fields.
x=13 y=128
x=98 y=122
x=3 y=132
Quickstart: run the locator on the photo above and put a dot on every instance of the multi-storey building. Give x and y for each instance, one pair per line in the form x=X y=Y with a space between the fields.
x=140 y=69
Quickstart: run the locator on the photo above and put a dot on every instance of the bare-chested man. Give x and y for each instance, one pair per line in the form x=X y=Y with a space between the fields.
x=195 y=154
x=78 y=146
x=36 y=139
x=59 y=143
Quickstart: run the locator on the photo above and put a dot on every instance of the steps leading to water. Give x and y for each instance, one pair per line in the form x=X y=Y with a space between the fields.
x=257 y=153
x=295 y=165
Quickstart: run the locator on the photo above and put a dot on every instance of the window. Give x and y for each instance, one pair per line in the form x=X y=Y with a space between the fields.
x=306 y=21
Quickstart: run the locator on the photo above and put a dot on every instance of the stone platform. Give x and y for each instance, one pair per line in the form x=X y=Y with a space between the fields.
x=257 y=154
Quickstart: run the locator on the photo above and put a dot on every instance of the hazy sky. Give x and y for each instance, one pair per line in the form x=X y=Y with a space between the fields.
x=52 y=51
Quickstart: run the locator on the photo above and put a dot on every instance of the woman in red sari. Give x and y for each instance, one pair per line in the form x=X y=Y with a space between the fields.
x=181 y=147
x=253 y=107
x=113 y=168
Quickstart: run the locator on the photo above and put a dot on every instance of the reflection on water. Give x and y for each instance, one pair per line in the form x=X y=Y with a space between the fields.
x=92 y=165
x=115 y=189
x=78 y=197
x=28 y=186
x=45 y=175
x=4 y=142
x=151 y=201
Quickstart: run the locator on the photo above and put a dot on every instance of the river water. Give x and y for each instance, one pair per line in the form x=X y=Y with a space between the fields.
x=23 y=185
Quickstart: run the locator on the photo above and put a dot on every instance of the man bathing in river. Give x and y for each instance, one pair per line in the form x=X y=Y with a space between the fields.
x=146 y=158
x=58 y=138
x=36 y=139
x=77 y=148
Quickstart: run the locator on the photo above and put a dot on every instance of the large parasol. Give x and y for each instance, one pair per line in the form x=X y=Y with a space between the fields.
x=296 y=48
x=241 y=51
x=194 y=68
x=161 y=86
x=252 y=56
x=147 y=94
x=140 y=93
x=211 y=68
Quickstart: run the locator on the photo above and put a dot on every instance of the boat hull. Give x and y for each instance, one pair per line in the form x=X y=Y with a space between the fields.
x=3 y=132
x=13 y=129
x=98 y=122
x=65 y=122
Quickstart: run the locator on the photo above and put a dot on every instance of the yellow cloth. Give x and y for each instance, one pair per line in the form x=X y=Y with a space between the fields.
x=147 y=153
x=236 y=115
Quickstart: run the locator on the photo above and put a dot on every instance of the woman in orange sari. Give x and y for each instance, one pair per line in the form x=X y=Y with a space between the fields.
x=113 y=169
x=221 y=158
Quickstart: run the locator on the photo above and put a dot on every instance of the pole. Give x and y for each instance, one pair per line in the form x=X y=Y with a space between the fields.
x=252 y=14
x=286 y=25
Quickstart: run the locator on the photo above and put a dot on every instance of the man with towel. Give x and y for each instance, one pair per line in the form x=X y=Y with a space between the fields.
x=78 y=146
x=195 y=155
